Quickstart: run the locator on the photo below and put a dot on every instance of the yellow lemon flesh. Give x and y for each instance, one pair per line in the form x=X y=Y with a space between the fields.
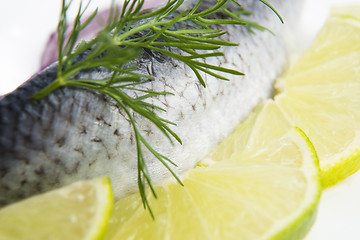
x=321 y=95
x=78 y=211
x=264 y=193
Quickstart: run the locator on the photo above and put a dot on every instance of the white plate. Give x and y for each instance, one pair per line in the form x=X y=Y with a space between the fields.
x=26 y=25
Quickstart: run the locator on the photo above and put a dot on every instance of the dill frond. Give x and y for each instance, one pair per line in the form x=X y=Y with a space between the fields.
x=122 y=40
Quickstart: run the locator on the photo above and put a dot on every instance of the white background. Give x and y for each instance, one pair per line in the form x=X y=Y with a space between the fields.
x=26 y=25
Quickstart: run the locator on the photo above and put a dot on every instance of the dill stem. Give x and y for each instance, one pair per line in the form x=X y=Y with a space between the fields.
x=148 y=25
x=49 y=88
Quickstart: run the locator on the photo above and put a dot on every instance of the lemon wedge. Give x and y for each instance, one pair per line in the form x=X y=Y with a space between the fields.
x=266 y=193
x=78 y=211
x=321 y=95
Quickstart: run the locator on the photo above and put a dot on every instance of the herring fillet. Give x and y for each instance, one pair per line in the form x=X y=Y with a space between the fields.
x=75 y=134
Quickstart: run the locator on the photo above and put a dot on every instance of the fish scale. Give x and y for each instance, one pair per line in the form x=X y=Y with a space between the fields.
x=76 y=133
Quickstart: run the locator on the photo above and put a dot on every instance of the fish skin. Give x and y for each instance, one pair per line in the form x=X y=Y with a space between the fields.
x=75 y=133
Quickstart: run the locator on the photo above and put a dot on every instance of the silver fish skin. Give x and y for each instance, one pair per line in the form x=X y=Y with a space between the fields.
x=75 y=134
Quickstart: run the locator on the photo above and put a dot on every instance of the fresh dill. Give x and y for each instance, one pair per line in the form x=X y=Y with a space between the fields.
x=128 y=31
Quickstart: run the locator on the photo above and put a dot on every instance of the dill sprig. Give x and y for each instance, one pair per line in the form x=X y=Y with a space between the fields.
x=128 y=31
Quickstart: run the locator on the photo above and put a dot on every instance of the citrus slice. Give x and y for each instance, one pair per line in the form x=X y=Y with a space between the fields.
x=347 y=10
x=339 y=36
x=251 y=195
x=78 y=211
x=321 y=95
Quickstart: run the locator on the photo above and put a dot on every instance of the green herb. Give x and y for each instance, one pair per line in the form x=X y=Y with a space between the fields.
x=127 y=32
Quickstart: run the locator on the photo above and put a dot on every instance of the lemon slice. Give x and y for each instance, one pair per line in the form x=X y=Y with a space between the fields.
x=269 y=193
x=339 y=36
x=347 y=10
x=78 y=211
x=321 y=95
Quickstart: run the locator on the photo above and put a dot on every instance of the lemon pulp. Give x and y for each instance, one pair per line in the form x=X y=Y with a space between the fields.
x=320 y=94
x=78 y=211
x=263 y=193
